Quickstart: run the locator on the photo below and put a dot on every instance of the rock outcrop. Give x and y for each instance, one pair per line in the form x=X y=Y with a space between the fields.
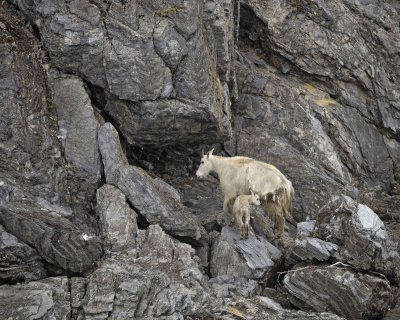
x=19 y=262
x=344 y=292
x=252 y=258
x=151 y=58
x=104 y=108
x=56 y=239
x=162 y=279
x=158 y=205
x=45 y=299
x=361 y=236
x=118 y=220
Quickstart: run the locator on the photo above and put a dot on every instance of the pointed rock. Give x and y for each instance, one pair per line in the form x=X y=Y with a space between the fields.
x=158 y=205
x=112 y=154
x=118 y=220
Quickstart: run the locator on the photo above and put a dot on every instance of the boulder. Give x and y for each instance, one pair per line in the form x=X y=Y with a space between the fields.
x=158 y=206
x=45 y=299
x=351 y=294
x=310 y=249
x=55 y=238
x=77 y=124
x=226 y=286
x=118 y=220
x=252 y=258
x=142 y=123
x=163 y=280
x=78 y=288
x=360 y=235
x=305 y=229
x=19 y=262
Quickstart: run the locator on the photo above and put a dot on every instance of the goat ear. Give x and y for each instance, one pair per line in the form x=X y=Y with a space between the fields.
x=209 y=154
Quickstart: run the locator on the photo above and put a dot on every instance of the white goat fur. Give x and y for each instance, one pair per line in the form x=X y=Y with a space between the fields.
x=234 y=174
x=241 y=209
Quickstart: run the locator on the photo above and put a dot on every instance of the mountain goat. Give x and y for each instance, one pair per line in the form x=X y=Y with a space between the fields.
x=241 y=209
x=234 y=174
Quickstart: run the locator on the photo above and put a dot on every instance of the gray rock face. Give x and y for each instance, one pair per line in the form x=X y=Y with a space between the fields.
x=146 y=123
x=78 y=288
x=18 y=261
x=361 y=236
x=260 y=307
x=112 y=154
x=164 y=281
x=28 y=150
x=55 y=238
x=252 y=258
x=271 y=127
x=310 y=249
x=220 y=18
x=118 y=221
x=349 y=90
x=169 y=44
x=38 y=192
x=143 y=52
x=44 y=299
x=158 y=206
x=350 y=294
x=228 y=286
x=77 y=124
x=309 y=86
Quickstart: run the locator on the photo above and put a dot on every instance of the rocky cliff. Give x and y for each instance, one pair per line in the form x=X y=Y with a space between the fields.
x=105 y=107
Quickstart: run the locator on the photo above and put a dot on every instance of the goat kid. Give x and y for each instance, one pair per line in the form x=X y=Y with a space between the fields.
x=241 y=209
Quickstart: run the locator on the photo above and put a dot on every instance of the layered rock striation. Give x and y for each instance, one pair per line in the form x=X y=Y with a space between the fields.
x=104 y=109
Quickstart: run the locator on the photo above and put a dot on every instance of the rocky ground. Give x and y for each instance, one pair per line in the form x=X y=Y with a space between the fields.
x=105 y=107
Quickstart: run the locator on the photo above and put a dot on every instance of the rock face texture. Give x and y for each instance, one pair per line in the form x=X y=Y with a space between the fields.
x=362 y=237
x=160 y=279
x=151 y=58
x=44 y=299
x=112 y=154
x=252 y=258
x=158 y=205
x=356 y=294
x=118 y=220
x=19 y=262
x=105 y=107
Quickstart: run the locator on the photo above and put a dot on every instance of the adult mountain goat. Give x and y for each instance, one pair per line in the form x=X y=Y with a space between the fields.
x=234 y=173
